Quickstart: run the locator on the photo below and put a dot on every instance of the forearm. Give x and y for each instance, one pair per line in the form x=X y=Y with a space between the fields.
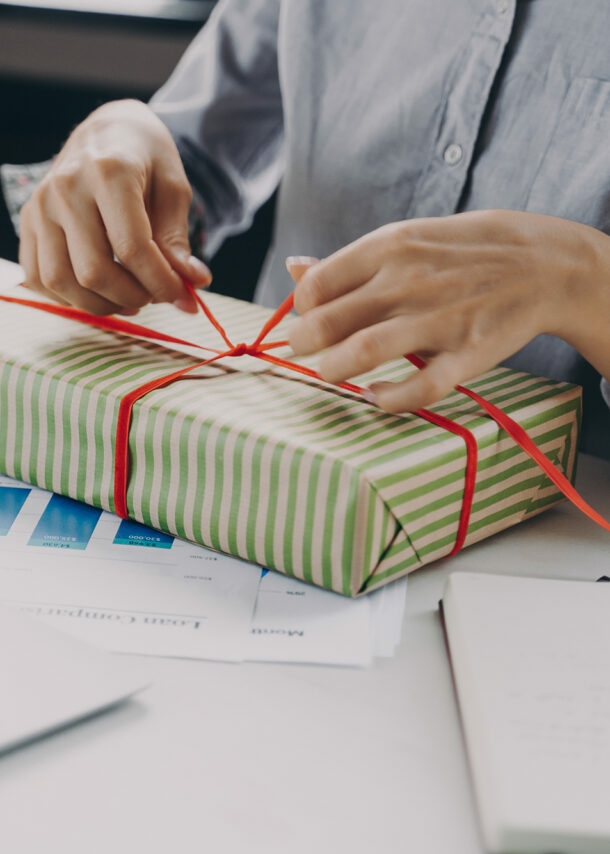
x=582 y=317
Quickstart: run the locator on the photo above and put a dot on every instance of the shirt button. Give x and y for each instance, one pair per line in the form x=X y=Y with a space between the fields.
x=503 y=6
x=453 y=154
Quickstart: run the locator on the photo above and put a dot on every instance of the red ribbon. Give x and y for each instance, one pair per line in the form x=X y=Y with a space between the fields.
x=260 y=350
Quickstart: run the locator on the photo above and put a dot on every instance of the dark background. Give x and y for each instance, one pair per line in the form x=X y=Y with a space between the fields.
x=39 y=107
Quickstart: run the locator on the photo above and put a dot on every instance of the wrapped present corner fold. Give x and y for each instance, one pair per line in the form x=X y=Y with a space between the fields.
x=244 y=449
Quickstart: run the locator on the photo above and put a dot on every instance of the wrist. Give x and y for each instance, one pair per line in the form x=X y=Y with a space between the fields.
x=583 y=318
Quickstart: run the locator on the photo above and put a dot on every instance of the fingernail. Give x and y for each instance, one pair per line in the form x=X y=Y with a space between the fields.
x=369 y=396
x=129 y=312
x=297 y=265
x=200 y=272
x=300 y=261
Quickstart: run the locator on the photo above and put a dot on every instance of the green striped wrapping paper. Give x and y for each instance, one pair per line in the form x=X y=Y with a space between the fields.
x=281 y=470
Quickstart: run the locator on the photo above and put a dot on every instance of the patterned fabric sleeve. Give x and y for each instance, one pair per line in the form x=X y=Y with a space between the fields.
x=18 y=183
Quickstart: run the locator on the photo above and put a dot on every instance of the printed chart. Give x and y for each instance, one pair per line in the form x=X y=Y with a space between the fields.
x=119 y=584
x=128 y=588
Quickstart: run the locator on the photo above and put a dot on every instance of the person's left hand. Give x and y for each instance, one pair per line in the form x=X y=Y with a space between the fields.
x=463 y=292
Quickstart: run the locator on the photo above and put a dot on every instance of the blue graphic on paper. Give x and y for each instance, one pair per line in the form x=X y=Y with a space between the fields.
x=12 y=499
x=65 y=524
x=134 y=534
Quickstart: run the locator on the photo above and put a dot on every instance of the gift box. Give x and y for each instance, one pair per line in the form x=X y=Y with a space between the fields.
x=250 y=458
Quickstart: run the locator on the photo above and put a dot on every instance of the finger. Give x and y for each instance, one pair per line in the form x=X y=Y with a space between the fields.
x=341 y=319
x=168 y=211
x=28 y=258
x=93 y=264
x=368 y=348
x=423 y=388
x=338 y=274
x=130 y=234
x=57 y=275
x=28 y=252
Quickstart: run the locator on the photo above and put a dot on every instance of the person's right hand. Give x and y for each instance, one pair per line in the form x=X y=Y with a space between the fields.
x=106 y=230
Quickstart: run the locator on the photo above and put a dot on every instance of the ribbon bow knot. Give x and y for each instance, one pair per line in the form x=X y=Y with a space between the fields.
x=244 y=350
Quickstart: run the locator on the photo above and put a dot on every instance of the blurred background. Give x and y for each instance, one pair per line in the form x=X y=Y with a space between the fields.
x=59 y=59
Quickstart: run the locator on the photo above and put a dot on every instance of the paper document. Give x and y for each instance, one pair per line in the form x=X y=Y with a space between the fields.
x=48 y=679
x=118 y=584
x=296 y=622
x=128 y=588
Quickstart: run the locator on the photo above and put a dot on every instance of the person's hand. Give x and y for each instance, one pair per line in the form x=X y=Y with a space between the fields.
x=463 y=292
x=106 y=229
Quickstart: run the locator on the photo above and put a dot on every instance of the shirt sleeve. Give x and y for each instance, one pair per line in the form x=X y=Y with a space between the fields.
x=223 y=106
x=605 y=389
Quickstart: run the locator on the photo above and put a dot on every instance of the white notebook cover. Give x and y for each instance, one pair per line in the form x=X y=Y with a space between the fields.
x=531 y=664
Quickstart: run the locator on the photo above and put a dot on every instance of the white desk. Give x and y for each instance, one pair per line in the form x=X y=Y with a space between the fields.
x=251 y=758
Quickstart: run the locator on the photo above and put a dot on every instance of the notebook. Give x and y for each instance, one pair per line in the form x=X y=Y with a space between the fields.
x=531 y=666
x=48 y=679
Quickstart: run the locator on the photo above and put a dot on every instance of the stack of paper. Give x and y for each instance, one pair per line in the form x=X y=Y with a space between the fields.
x=130 y=589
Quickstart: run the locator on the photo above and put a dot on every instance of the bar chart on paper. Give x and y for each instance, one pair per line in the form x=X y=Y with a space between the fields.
x=118 y=583
x=133 y=534
x=130 y=588
x=65 y=524
x=12 y=499
x=47 y=520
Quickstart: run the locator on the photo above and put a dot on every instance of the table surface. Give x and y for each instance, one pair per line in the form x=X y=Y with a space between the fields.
x=288 y=758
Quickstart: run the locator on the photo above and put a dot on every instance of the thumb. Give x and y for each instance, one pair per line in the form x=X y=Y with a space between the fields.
x=169 y=221
x=177 y=251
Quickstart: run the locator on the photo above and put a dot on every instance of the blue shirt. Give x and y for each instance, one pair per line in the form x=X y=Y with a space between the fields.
x=365 y=113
